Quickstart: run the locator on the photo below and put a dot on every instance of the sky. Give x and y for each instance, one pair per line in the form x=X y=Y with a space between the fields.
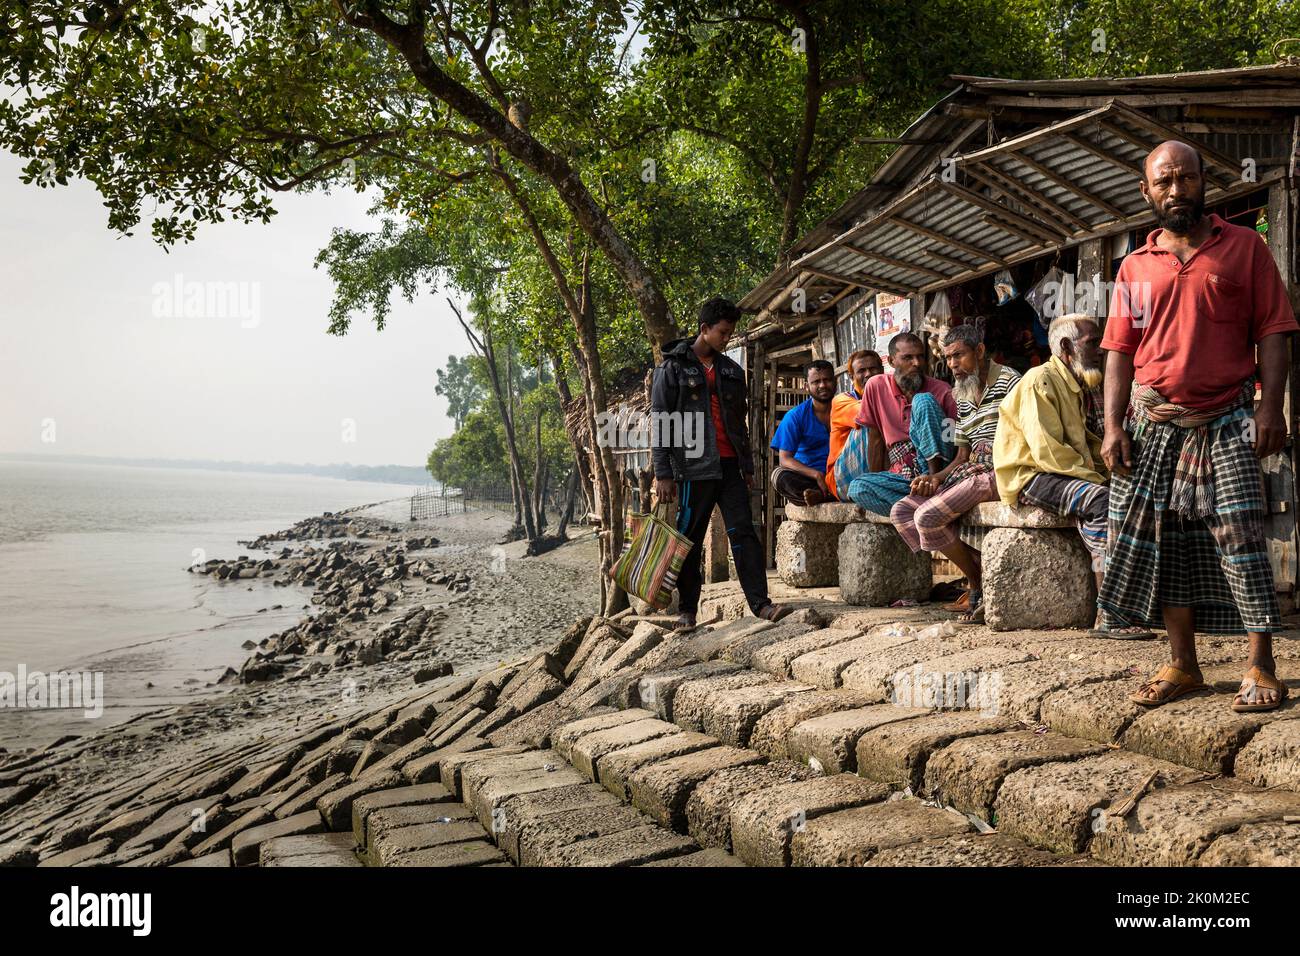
x=99 y=356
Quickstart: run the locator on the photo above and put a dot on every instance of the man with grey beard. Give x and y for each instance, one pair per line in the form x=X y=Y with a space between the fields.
x=1047 y=451
x=910 y=416
x=927 y=518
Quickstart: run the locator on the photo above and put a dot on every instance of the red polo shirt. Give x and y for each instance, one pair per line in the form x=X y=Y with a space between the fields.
x=1192 y=327
x=884 y=406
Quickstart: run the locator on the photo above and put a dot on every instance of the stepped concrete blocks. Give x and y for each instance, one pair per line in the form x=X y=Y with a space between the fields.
x=828 y=743
x=763 y=822
x=968 y=772
x=708 y=811
x=661 y=789
x=1174 y=826
x=1059 y=806
x=772 y=730
x=853 y=837
x=896 y=753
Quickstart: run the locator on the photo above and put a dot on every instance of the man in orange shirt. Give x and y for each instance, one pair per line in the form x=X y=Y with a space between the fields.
x=1194 y=310
x=863 y=365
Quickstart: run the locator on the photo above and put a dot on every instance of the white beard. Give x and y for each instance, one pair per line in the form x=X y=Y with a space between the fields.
x=968 y=389
x=1090 y=377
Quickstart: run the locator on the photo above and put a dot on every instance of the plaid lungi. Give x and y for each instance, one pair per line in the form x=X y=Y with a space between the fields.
x=1217 y=565
x=1084 y=501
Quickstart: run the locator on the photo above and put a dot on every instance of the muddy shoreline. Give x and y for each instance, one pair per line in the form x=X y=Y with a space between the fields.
x=392 y=601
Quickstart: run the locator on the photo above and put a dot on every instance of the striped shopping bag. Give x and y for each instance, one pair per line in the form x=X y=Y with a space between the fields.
x=652 y=559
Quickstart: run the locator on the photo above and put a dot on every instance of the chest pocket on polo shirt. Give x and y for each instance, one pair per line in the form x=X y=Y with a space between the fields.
x=1220 y=299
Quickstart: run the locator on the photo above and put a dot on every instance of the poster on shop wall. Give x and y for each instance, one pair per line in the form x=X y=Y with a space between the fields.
x=893 y=315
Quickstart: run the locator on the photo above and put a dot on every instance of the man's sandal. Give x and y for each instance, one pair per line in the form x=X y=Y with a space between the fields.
x=773 y=612
x=974 y=613
x=684 y=622
x=961 y=605
x=1183 y=682
x=1247 y=700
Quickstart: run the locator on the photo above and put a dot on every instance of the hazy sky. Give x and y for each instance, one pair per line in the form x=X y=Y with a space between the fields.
x=94 y=353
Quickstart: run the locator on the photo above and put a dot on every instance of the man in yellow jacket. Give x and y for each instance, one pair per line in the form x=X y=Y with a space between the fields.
x=1047 y=449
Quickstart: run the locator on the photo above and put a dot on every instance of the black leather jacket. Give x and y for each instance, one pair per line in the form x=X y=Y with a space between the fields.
x=680 y=385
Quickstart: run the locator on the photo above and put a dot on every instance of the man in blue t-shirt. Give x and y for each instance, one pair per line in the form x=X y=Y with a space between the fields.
x=803 y=440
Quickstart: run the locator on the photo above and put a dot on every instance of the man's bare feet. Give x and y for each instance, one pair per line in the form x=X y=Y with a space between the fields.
x=813 y=496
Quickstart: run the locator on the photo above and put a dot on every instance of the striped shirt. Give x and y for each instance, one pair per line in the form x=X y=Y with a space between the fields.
x=976 y=423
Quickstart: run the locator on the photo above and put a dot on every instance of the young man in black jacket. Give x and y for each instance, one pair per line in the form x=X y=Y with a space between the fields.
x=704 y=457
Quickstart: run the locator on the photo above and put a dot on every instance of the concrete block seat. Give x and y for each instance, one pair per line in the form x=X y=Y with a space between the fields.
x=1036 y=571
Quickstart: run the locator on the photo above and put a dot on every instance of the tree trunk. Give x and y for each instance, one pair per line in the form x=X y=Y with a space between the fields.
x=607 y=483
x=641 y=283
x=571 y=498
x=484 y=346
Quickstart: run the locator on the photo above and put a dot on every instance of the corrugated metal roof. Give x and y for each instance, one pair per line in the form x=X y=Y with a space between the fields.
x=917 y=226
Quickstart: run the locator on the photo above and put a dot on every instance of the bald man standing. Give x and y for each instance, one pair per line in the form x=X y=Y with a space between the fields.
x=1183 y=437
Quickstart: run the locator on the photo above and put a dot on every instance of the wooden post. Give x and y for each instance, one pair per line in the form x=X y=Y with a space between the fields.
x=1094 y=267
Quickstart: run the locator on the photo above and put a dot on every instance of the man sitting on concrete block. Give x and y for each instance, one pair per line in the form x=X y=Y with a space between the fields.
x=911 y=417
x=802 y=440
x=864 y=365
x=927 y=518
x=1047 y=451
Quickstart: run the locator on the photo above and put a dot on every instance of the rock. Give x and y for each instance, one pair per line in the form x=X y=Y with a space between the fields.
x=896 y=753
x=1174 y=826
x=527 y=817
x=1272 y=758
x=771 y=731
x=1100 y=711
x=317 y=849
x=1256 y=844
x=968 y=772
x=1199 y=730
x=877 y=567
x=708 y=811
x=661 y=789
x=828 y=743
x=966 y=849
x=432 y=671
x=775 y=659
x=1037 y=578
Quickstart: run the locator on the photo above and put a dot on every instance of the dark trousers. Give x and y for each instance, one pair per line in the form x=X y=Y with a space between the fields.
x=792 y=484
x=695 y=502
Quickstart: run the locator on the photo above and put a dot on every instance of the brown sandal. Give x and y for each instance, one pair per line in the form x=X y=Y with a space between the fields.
x=774 y=612
x=1183 y=682
x=961 y=605
x=1258 y=677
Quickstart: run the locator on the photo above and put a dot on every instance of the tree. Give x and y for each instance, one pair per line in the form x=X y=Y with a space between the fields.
x=461 y=383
